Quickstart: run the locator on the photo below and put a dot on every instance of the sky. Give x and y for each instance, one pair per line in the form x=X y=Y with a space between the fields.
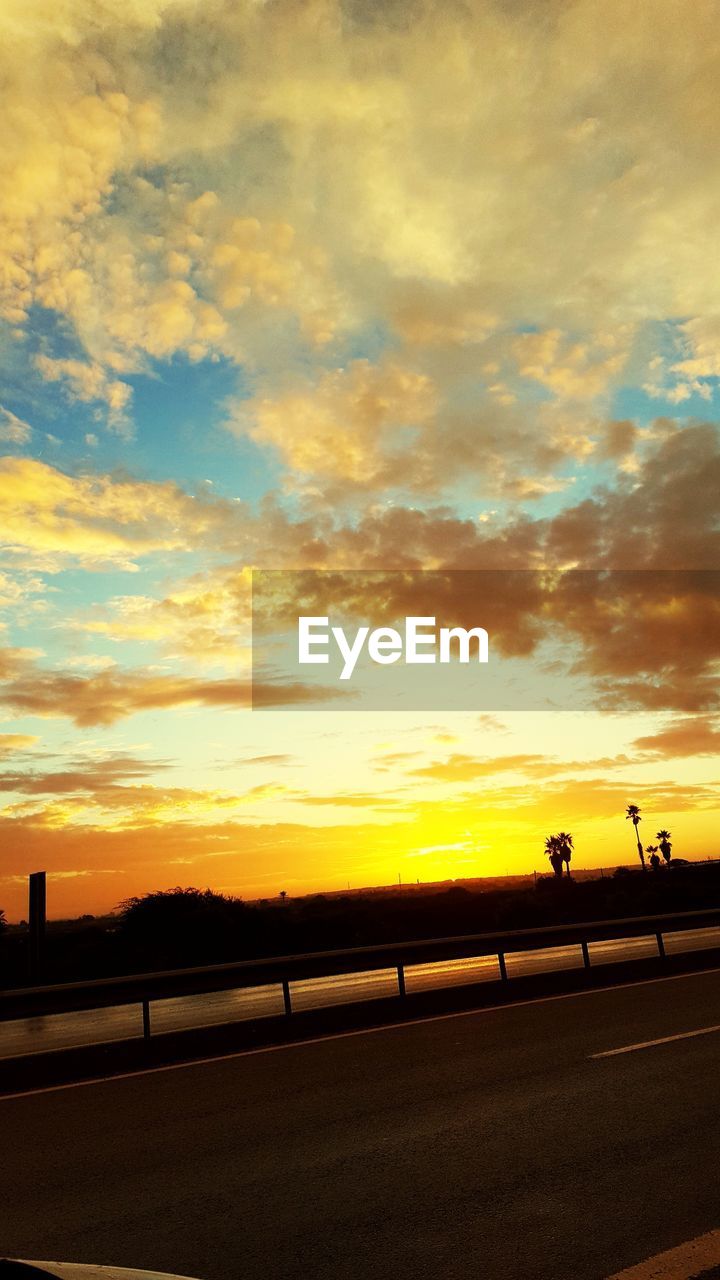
x=315 y=285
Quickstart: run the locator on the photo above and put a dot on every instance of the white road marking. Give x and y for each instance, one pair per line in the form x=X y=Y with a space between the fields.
x=346 y=1035
x=650 y=1044
x=688 y=1261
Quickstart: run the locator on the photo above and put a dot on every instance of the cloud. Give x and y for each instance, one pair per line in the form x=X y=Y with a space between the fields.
x=658 y=513
x=662 y=517
x=110 y=696
x=620 y=639
x=276 y=758
x=571 y=370
x=80 y=776
x=11 y=743
x=460 y=767
x=690 y=736
x=89 y=382
x=355 y=425
x=12 y=428
x=120 y=790
x=392 y=429
x=275 y=179
x=618 y=439
x=22 y=595
x=356 y=800
x=141 y=267
x=206 y=617
x=99 y=520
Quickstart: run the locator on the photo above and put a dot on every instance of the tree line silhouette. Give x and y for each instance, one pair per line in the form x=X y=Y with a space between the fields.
x=173 y=928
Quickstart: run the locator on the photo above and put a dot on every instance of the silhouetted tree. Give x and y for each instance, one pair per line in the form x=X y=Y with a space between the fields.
x=665 y=845
x=3 y=921
x=185 y=926
x=565 y=847
x=633 y=813
x=282 y=895
x=652 y=849
x=552 y=850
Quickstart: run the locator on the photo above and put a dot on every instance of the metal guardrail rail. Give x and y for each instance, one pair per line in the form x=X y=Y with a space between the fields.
x=144 y=988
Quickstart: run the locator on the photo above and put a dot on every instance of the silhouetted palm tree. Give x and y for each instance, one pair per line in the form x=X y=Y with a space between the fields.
x=565 y=846
x=283 y=894
x=665 y=845
x=552 y=850
x=652 y=849
x=633 y=813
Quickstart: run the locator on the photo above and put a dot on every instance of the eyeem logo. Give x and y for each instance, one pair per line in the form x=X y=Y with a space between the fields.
x=420 y=644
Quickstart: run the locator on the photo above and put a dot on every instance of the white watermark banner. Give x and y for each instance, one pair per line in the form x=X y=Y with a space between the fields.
x=488 y=640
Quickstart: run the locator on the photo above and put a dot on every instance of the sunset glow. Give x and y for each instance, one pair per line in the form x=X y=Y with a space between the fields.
x=329 y=286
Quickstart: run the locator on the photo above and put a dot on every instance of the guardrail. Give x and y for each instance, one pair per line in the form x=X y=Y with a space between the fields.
x=145 y=988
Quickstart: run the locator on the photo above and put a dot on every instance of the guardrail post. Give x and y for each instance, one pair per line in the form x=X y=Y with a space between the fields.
x=503 y=966
x=146 y=1019
x=401 y=979
x=586 y=954
x=661 y=945
x=286 y=996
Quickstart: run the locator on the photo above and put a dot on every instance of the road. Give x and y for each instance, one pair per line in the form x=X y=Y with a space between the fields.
x=492 y=1145
x=97 y=1026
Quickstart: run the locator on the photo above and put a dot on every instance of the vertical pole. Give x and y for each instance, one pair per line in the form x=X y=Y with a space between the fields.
x=36 y=914
x=146 y=1019
x=586 y=954
x=503 y=966
x=286 y=996
x=661 y=946
x=401 y=979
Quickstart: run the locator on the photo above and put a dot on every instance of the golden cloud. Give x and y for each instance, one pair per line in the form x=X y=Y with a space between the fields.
x=460 y=767
x=350 y=426
x=11 y=743
x=337 y=171
x=100 y=520
x=206 y=617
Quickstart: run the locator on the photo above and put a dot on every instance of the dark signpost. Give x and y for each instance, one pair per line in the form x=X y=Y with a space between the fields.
x=38 y=899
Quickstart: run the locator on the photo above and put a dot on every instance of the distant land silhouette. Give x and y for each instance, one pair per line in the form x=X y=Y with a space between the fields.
x=188 y=926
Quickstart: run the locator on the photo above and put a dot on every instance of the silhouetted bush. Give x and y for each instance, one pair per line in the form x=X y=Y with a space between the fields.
x=185 y=926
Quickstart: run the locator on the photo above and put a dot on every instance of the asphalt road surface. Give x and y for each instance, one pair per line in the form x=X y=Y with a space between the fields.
x=494 y=1144
x=97 y=1026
